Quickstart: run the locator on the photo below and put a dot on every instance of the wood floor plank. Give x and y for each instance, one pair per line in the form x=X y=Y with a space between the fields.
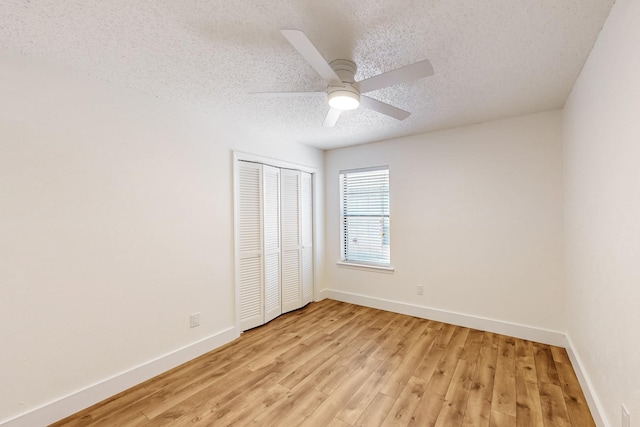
x=554 y=410
x=471 y=350
x=328 y=380
x=246 y=409
x=446 y=333
x=293 y=409
x=575 y=401
x=405 y=370
x=257 y=393
x=351 y=349
x=256 y=398
x=309 y=367
x=308 y=348
x=408 y=342
x=457 y=397
x=336 y=422
x=528 y=407
x=344 y=320
x=364 y=325
x=267 y=355
x=387 y=340
x=504 y=387
x=317 y=376
x=498 y=419
x=329 y=408
x=427 y=412
x=406 y=403
x=360 y=401
x=559 y=355
x=230 y=384
x=431 y=359
x=128 y=417
x=525 y=360
x=478 y=412
x=376 y=412
x=375 y=336
x=338 y=364
x=207 y=401
x=324 y=321
x=545 y=365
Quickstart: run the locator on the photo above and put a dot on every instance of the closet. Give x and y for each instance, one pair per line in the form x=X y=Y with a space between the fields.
x=274 y=241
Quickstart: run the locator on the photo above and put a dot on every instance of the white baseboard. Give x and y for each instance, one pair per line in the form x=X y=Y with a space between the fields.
x=587 y=387
x=68 y=405
x=482 y=323
x=544 y=336
x=90 y=395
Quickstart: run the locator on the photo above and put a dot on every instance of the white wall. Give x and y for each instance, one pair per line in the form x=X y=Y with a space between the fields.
x=602 y=180
x=476 y=217
x=116 y=223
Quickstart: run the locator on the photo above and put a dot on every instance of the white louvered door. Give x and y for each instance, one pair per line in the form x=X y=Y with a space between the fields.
x=274 y=242
x=306 y=228
x=291 y=289
x=250 y=269
x=271 y=197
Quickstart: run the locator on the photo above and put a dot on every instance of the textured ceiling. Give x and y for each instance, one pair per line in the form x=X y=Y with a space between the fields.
x=492 y=58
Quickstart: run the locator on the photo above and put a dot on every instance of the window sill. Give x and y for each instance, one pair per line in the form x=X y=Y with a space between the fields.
x=380 y=268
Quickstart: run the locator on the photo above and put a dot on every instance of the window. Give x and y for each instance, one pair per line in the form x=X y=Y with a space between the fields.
x=364 y=216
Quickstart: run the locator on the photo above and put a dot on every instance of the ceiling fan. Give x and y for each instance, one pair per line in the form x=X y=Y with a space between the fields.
x=343 y=92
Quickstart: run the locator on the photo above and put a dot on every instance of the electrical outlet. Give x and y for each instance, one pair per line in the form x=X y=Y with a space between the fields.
x=626 y=418
x=419 y=290
x=194 y=320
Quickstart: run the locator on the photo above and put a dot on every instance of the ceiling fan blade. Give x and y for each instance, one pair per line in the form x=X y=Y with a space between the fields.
x=401 y=75
x=286 y=94
x=304 y=46
x=383 y=107
x=331 y=118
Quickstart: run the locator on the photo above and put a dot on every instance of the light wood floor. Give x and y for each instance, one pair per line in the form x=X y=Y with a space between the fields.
x=337 y=364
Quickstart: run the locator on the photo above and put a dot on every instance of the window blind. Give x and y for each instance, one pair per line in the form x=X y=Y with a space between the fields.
x=364 y=195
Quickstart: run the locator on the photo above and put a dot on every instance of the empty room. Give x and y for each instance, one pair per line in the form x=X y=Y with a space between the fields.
x=390 y=213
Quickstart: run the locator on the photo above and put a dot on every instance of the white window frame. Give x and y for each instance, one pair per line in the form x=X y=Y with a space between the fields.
x=362 y=262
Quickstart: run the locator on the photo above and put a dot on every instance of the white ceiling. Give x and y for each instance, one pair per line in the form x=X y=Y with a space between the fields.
x=492 y=58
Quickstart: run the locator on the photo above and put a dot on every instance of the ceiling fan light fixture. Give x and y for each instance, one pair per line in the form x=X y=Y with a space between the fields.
x=343 y=97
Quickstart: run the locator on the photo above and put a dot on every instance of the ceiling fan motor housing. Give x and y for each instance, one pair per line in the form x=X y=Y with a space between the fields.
x=345 y=69
x=344 y=95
